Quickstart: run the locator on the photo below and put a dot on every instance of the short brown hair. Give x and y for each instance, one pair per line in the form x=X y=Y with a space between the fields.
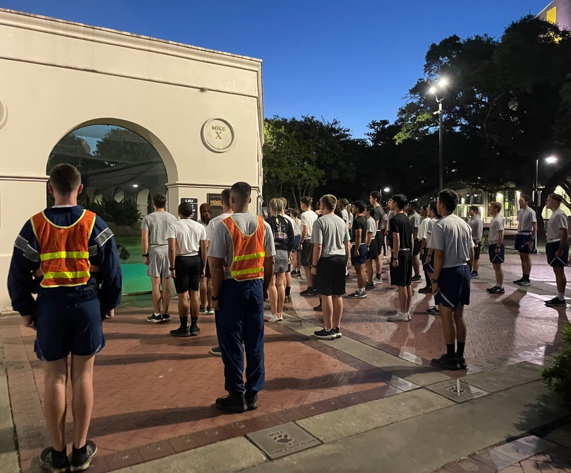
x=526 y=197
x=329 y=202
x=306 y=200
x=556 y=198
x=159 y=200
x=376 y=195
x=225 y=195
x=496 y=205
x=65 y=178
x=474 y=208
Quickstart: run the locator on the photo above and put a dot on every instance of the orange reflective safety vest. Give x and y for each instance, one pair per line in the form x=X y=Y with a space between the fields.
x=248 y=251
x=64 y=251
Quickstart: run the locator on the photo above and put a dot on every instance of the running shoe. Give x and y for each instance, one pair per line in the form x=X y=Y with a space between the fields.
x=369 y=286
x=324 y=334
x=446 y=363
x=308 y=292
x=519 y=281
x=474 y=275
x=279 y=317
x=194 y=330
x=251 y=401
x=81 y=458
x=270 y=318
x=491 y=289
x=53 y=461
x=433 y=311
x=497 y=290
x=233 y=403
x=216 y=351
x=181 y=332
x=287 y=299
x=357 y=295
x=416 y=278
x=155 y=319
x=318 y=308
x=425 y=290
x=525 y=282
x=399 y=317
x=461 y=362
x=556 y=302
x=167 y=318
x=210 y=311
x=378 y=279
x=202 y=310
x=337 y=331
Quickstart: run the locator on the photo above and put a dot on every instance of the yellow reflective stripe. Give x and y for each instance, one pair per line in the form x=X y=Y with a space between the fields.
x=250 y=256
x=241 y=272
x=67 y=275
x=64 y=254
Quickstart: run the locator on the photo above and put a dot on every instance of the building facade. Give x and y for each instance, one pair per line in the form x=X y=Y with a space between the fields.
x=559 y=12
x=137 y=115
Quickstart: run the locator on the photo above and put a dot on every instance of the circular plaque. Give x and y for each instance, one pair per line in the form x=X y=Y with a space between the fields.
x=218 y=135
x=3 y=114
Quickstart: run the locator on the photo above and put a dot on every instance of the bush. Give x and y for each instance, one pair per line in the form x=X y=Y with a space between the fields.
x=558 y=377
x=124 y=213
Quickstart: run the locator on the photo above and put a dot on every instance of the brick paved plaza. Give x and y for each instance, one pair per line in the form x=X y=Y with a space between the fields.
x=154 y=393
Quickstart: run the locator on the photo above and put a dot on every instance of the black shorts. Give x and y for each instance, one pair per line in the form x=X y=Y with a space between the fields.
x=417 y=244
x=373 y=252
x=496 y=257
x=380 y=240
x=401 y=275
x=362 y=258
x=330 y=276
x=306 y=253
x=521 y=243
x=188 y=269
x=477 y=246
x=453 y=286
x=551 y=249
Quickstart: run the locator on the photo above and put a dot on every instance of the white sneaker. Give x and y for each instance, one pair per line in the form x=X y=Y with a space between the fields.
x=378 y=280
x=399 y=317
x=270 y=318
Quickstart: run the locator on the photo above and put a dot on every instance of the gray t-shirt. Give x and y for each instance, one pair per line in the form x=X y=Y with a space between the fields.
x=372 y=226
x=496 y=225
x=453 y=236
x=557 y=221
x=414 y=220
x=221 y=245
x=378 y=216
x=477 y=227
x=384 y=223
x=308 y=218
x=429 y=227
x=157 y=224
x=331 y=232
x=526 y=218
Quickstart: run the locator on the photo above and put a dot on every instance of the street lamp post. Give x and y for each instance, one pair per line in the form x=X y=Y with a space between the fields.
x=442 y=83
x=549 y=160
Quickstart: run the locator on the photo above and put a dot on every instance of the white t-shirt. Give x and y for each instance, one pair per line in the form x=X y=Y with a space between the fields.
x=422 y=229
x=308 y=218
x=212 y=225
x=188 y=235
x=557 y=221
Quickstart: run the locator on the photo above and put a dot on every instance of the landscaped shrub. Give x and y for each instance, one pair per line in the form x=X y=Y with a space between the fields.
x=558 y=377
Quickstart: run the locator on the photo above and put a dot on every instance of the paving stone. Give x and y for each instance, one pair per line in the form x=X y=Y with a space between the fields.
x=283 y=440
x=516 y=451
x=505 y=377
x=456 y=390
x=561 y=436
x=536 y=443
x=494 y=459
x=468 y=465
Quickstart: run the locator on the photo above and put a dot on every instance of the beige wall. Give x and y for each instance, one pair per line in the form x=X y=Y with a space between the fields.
x=58 y=76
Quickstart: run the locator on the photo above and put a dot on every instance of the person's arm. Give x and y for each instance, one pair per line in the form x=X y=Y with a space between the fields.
x=438 y=264
x=145 y=245
x=396 y=249
x=317 y=247
x=471 y=260
x=268 y=271
x=347 y=251
x=358 y=234
x=532 y=236
x=217 y=273
x=369 y=238
x=563 y=232
x=500 y=240
x=204 y=251
x=304 y=228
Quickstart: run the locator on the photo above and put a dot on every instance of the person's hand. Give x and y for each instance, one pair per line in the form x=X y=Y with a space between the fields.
x=356 y=251
x=428 y=259
x=29 y=322
x=435 y=287
x=203 y=273
x=173 y=274
x=559 y=253
x=314 y=270
x=146 y=260
x=530 y=243
x=38 y=273
x=110 y=314
x=216 y=305
x=395 y=263
x=93 y=269
x=477 y=245
x=497 y=250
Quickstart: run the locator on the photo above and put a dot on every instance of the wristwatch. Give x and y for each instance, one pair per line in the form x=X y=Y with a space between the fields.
x=146 y=256
x=171 y=269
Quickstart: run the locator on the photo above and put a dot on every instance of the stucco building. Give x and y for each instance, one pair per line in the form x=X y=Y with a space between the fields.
x=558 y=11
x=136 y=114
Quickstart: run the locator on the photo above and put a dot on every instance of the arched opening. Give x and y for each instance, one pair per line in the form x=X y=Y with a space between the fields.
x=120 y=170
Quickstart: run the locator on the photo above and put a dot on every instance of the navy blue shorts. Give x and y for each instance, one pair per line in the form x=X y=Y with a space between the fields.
x=428 y=266
x=551 y=249
x=362 y=258
x=521 y=243
x=496 y=257
x=296 y=240
x=68 y=323
x=454 y=286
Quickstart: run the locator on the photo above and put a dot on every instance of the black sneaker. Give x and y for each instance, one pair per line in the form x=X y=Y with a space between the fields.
x=497 y=290
x=324 y=334
x=433 y=311
x=194 y=330
x=181 y=332
x=54 y=461
x=461 y=362
x=155 y=319
x=251 y=401
x=525 y=282
x=233 y=403
x=81 y=458
x=318 y=308
x=556 y=302
x=369 y=286
x=357 y=295
x=308 y=292
x=446 y=363
x=216 y=351
x=491 y=289
x=166 y=318
x=425 y=290
x=416 y=278
x=337 y=331
x=519 y=281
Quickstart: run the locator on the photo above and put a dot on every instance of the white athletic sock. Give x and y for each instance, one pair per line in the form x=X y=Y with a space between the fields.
x=561 y=296
x=431 y=302
x=157 y=313
x=501 y=286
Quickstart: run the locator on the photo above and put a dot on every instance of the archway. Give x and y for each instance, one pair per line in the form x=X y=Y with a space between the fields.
x=120 y=170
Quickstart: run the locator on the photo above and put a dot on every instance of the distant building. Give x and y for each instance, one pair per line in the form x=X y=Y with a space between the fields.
x=559 y=12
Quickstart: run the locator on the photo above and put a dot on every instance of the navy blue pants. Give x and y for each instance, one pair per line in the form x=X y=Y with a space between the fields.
x=240 y=319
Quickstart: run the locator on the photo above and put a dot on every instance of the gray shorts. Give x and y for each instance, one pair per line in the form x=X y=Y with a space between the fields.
x=281 y=263
x=158 y=266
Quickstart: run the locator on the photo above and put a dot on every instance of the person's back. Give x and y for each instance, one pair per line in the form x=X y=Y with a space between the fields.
x=157 y=224
x=63 y=253
x=404 y=228
x=334 y=233
x=455 y=236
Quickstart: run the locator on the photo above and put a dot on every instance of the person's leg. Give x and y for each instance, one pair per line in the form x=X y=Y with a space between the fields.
x=287 y=283
x=449 y=329
x=499 y=274
x=273 y=295
x=403 y=296
x=281 y=279
x=526 y=264
x=361 y=278
x=156 y=293
x=408 y=298
x=194 y=304
x=55 y=380
x=461 y=329
x=308 y=276
x=379 y=263
x=183 y=309
x=370 y=272
x=166 y=293
x=203 y=292
x=253 y=335
x=82 y=404
x=476 y=265
x=337 y=311
x=561 y=280
x=328 y=310
x=416 y=265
